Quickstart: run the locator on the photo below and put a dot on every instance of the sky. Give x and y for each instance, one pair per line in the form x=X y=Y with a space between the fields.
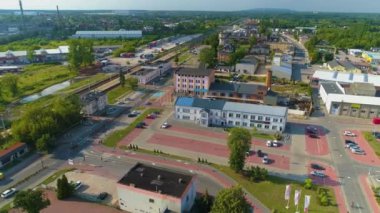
x=210 y=5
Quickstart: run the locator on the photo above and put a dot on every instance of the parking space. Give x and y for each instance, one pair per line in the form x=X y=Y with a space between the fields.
x=316 y=141
x=368 y=156
x=135 y=133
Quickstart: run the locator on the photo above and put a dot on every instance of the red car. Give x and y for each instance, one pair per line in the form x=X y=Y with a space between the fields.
x=151 y=116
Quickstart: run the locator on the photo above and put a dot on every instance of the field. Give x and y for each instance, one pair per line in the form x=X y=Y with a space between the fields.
x=271 y=192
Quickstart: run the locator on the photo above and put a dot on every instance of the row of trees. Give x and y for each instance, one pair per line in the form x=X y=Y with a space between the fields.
x=39 y=125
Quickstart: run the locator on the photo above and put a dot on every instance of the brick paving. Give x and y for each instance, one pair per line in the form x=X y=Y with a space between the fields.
x=369 y=193
x=317 y=146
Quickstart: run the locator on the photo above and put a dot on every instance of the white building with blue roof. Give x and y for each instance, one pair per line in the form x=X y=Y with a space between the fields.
x=207 y=112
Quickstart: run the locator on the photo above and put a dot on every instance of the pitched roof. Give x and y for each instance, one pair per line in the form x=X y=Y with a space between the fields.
x=255 y=109
x=11 y=149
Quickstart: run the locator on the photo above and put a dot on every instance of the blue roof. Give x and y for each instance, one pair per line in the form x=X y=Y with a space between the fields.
x=184 y=101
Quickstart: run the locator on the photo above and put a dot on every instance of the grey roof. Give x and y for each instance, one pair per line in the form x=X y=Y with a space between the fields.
x=194 y=72
x=331 y=88
x=255 y=109
x=347 y=65
x=333 y=63
x=249 y=59
x=208 y=104
x=143 y=72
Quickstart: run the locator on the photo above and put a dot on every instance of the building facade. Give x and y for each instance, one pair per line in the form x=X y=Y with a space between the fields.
x=43 y=55
x=12 y=153
x=207 y=112
x=151 y=72
x=155 y=190
x=239 y=92
x=94 y=102
x=190 y=81
x=248 y=65
x=282 y=66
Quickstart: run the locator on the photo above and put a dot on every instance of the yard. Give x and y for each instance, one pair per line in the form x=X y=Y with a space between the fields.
x=292 y=88
x=116 y=93
x=373 y=142
x=271 y=193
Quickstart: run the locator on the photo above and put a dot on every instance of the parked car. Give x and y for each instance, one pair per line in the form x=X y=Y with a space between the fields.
x=350 y=142
x=260 y=154
x=313 y=135
x=77 y=184
x=317 y=166
x=349 y=133
x=311 y=130
x=151 y=116
x=352 y=146
x=265 y=159
x=165 y=125
x=140 y=125
x=358 y=151
x=8 y=193
x=272 y=143
x=317 y=173
x=102 y=196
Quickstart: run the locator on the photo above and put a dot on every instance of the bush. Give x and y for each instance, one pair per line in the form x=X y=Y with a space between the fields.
x=323 y=197
x=255 y=173
x=308 y=183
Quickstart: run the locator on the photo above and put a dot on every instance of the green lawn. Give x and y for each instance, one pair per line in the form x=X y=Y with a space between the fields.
x=116 y=136
x=117 y=92
x=290 y=88
x=271 y=193
x=183 y=57
x=56 y=175
x=264 y=136
x=372 y=142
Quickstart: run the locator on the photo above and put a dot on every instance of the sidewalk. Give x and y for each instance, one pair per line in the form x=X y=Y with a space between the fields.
x=193 y=168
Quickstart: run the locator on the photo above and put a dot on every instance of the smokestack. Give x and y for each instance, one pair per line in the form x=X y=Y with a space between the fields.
x=269 y=79
x=58 y=12
x=22 y=14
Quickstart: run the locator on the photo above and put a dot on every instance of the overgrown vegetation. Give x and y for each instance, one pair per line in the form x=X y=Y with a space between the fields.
x=373 y=142
x=116 y=93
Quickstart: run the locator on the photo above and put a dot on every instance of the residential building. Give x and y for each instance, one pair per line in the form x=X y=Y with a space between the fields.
x=191 y=81
x=156 y=190
x=225 y=52
x=345 y=78
x=14 y=57
x=11 y=153
x=108 y=34
x=282 y=66
x=248 y=65
x=94 y=102
x=208 y=112
x=239 y=92
x=260 y=49
x=150 y=72
x=337 y=102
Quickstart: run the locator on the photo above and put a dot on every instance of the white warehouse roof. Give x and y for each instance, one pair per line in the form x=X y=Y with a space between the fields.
x=347 y=77
x=354 y=99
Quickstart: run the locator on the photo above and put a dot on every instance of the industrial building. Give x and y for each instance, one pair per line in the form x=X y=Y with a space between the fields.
x=151 y=189
x=345 y=78
x=151 y=72
x=282 y=66
x=208 y=112
x=43 y=55
x=94 y=102
x=108 y=34
x=339 y=102
x=248 y=65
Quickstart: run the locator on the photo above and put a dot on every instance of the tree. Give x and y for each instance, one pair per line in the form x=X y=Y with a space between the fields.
x=308 y=183
x=122 y=78
x=30 y=55
x=237 y=56
x=31 y=201
x=207 y=56
x=204 y=203
x=252 y=41
x=64 y=188
x=42 y=143
x=231 y=200
x=176 y=59
x=239 y=143
x=10 y=83
x=81 y=53
x=132 y=83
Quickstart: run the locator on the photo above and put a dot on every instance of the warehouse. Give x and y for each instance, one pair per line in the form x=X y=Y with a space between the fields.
x=108 y=34
x=207 y=112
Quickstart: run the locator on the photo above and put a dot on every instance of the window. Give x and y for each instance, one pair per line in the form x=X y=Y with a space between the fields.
x=204 y=115
x=252 y=125
x=211 y=113
x=230 y=122
x=260 y=118
x=259 y=125
x=230 y=115
x=275 y=119
x=237 y=115
x=186 y=117
x=245 y=116
x=216 y=114
x=151 y=200
x=267 y=118
x=281 y=120
x=245 y=124
x=274 y=127
x=266 y=126
x=186 y=110
x=253 y=117
x=237 y=123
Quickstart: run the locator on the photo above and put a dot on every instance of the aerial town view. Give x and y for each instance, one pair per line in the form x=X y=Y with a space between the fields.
x=189 y=106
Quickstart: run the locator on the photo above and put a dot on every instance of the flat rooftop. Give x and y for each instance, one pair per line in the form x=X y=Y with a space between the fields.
x=143 y=72
x=194 y=72
x=154 y=179
x=331 y=88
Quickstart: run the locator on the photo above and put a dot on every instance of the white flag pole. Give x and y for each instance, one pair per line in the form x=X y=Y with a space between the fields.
x=298 y=203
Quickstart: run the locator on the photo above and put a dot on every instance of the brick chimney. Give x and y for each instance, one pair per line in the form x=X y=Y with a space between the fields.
x=269 y=79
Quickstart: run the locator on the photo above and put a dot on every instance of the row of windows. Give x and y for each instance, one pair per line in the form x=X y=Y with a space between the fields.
x=245 y=124
x=190 y=86
x=191 y=81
